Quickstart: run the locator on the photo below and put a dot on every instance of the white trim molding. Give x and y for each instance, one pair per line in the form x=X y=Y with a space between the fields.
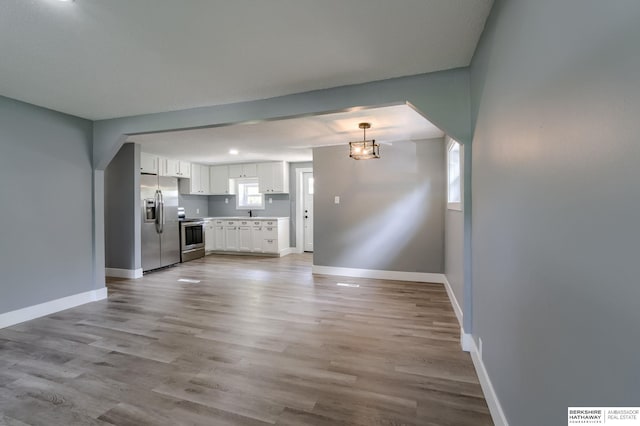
x=495 y=408
x=123 y=273
x=423 y=277
x=454 y=302
x=51 y=307
x=466 y=340
x=287 y=251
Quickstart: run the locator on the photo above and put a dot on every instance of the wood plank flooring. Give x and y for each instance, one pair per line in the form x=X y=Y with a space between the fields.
x=257 y=341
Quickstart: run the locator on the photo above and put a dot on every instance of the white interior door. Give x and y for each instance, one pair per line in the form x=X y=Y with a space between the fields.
x=307 y=211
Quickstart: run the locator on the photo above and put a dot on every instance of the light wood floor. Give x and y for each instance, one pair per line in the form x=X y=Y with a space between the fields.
x=258 y=341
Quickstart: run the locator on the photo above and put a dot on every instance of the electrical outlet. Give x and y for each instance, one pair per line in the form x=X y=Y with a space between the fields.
x=197 y=211
x=270 y=200
x=336 y=199
x=226 y=201
x=480 y=347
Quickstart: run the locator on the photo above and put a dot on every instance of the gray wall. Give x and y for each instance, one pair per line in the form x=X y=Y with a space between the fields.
x=193 y=203
x=122 y=208
x=293 y=196
x=556 y=193
x=391 y=211
x=279 y=207
x=454 y=245
x=46 y=207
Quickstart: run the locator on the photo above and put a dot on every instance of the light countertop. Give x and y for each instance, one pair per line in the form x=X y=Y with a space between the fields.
x=246 y=217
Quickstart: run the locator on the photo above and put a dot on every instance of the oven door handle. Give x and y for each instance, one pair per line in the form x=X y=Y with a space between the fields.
x=159 y=212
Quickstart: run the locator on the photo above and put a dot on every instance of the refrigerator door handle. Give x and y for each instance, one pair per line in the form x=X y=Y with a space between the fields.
x=161 y=212
x=157 y=212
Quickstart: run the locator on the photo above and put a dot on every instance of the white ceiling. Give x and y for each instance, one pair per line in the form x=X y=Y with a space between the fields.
x=110 y=58
x=290 y=139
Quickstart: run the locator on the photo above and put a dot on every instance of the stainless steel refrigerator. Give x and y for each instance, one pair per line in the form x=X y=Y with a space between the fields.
x=160 y=230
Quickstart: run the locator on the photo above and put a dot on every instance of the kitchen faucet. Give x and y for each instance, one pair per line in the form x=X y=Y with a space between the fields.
x=250 y=213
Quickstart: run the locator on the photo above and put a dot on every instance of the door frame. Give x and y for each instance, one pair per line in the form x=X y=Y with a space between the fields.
x=299 y=208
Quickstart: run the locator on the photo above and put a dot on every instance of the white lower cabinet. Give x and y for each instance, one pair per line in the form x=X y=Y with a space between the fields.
x=231 y=236
x=244 y=238
x=256 y=236
x=209 y=235
x=218 y=236
x=269 y=245
x=259 y=236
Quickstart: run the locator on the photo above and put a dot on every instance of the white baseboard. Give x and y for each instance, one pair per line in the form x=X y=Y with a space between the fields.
x=47 y=308
x=454 y=301
x=123 y=273
x=495 y=408
x=423 y=277
x=287 y=251
x=466 y=340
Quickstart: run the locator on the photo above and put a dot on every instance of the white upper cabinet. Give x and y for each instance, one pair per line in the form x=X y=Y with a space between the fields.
x=273 y=178
x=148 y=163
x=205 y=184
x=246 y=170
x=219 y=180
x=175 y=168
x=162 y=166
x=235 y=171
x=198 y=182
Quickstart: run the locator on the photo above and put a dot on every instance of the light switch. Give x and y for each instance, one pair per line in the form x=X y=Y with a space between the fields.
x=336 y=200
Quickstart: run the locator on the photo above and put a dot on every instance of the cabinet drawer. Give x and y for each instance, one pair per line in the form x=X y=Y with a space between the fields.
x=270 y=232
x=270 y=245
x=256 y=223
x=230 y=222
x=219 y=222
x=270 y=223
x=244 y=222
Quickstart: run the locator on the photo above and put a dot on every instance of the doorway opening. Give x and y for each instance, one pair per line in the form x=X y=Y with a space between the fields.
x=307 y=207
x=304 y=210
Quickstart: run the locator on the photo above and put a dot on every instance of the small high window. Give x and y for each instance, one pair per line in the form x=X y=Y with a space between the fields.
x=454 y=176
x=248 y=195
x=310 y=186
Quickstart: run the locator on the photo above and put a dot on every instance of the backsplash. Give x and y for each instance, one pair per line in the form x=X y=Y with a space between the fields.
x=194 y=205
x=280 y=206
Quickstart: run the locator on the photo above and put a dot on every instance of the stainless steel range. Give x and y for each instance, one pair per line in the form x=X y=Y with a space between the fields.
x=191 y=239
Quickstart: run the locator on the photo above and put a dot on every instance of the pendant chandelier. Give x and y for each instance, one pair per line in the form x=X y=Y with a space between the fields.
x=364 y=149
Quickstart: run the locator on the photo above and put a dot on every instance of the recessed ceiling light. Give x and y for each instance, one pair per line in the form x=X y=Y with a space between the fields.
x=233 y=151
